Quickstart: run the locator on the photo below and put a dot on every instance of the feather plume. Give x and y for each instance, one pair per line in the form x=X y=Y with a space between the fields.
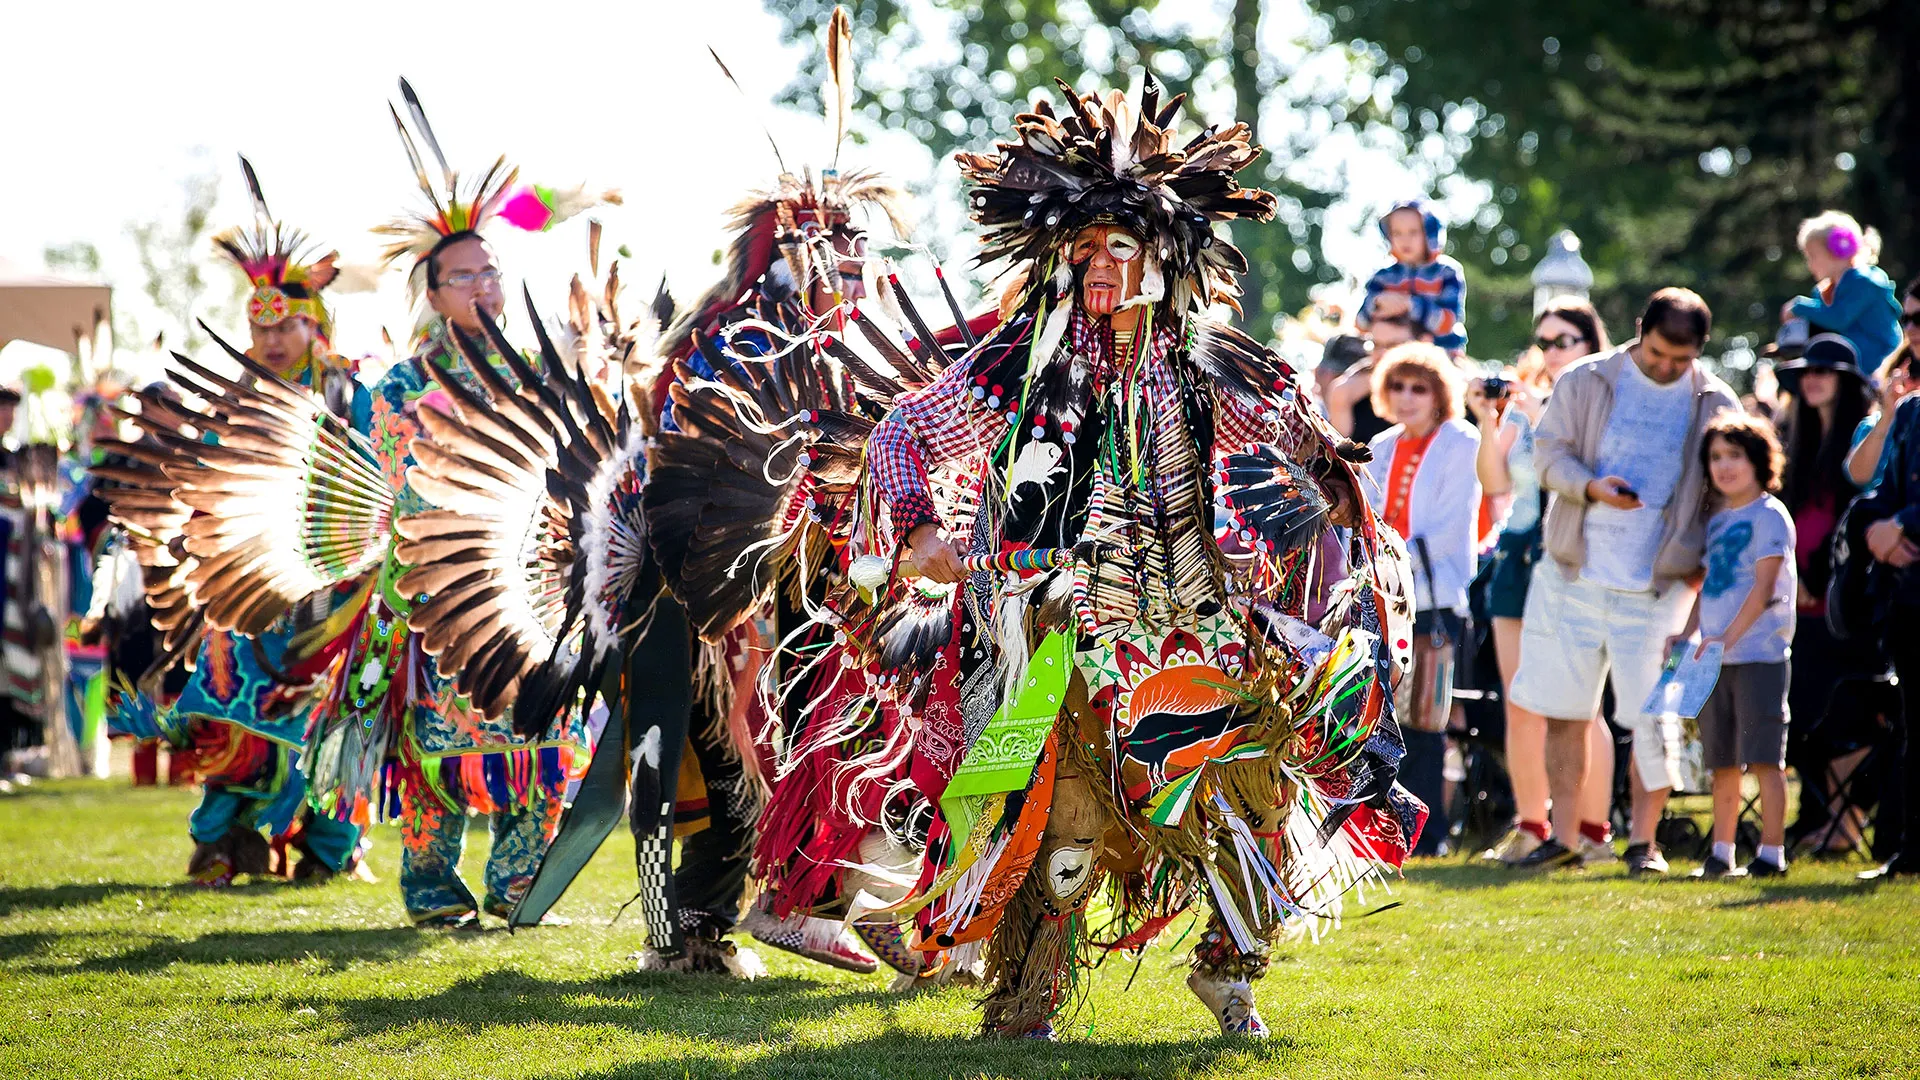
x=838 y=93
x=292 y=500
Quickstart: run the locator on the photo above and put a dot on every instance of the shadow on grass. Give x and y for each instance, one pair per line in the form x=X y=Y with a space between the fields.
x=15 y=946
x=1454 y=874
x=1812 y=890
x=19 y=901
x=337 y=947
x=750 y=1028
x=905 y=1056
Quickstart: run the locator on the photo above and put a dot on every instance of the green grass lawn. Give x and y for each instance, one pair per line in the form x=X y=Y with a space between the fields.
x=108 y=968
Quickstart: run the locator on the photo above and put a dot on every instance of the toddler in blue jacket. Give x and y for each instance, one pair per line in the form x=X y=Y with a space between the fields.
x=1853 y=298
x=1421 y=284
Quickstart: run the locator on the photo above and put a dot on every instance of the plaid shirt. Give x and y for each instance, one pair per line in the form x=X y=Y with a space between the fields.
x=962 y=415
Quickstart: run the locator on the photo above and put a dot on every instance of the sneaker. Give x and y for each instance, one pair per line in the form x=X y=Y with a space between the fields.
x=1511 y=848
x=1716 y=867
x=1760 y=867
x=1645 y=859
x=1900 y=866
x=1592 y=854
x=1550 y=855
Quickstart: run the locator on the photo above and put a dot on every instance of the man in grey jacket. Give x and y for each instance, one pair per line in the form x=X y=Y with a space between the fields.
x=1619 y=449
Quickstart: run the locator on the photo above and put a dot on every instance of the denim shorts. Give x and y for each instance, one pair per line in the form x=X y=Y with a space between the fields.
x=1514 y=556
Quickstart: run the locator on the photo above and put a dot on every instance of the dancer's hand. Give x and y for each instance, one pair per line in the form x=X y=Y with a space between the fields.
x=934 y=556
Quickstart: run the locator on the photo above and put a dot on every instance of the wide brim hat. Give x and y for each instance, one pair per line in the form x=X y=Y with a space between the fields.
x=1823 y=352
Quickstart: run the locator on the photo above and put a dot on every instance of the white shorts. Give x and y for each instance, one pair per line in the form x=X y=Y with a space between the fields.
x=1575 y=634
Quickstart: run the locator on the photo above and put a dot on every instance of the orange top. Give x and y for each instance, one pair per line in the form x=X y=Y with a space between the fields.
x=1408 y=452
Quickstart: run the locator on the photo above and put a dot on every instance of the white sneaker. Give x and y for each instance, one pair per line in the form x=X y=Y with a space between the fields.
x=1592 y=854
x=1511 y=848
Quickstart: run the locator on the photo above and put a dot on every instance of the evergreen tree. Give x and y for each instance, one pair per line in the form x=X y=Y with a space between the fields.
x=960 y=88
x=1683 y=140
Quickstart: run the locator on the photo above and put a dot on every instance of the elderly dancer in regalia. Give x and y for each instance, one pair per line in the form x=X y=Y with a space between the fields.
x=1074 y=649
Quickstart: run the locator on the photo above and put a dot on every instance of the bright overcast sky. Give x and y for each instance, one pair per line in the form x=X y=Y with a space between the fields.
x=108 y=106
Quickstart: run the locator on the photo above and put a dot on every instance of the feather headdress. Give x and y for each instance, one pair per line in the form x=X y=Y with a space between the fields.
x=782 y=222
x=456 y=209
x=1109 y=159
x=799 y=212
x=277 y=261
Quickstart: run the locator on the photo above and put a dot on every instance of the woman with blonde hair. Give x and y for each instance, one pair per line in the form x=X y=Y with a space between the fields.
x=1425 y=488
x=1852 y=297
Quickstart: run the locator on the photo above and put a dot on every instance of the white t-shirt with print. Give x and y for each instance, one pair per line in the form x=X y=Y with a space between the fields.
x=1736 y=542
x=1646 y=438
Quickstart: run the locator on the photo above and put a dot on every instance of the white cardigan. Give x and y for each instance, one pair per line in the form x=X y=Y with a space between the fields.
x=1444 y=509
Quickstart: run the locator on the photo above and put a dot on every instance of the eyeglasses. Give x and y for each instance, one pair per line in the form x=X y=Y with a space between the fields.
x=1417 y=389
x=1909 y=318
x=468 y=281
x=1123 y=247
x=1563 y=341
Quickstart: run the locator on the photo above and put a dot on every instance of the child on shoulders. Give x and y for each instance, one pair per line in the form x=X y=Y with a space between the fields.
x=1421 y=286
x=1852 y=297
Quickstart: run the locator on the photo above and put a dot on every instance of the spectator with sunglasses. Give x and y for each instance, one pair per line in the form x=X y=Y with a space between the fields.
x=1885 y=523
x=1896 y=379
x=1852 y=297
x=1565 y=332
x=1424 y=487
x=1619 y=451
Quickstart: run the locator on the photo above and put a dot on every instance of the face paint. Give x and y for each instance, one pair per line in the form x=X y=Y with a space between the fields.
x=1110 y=267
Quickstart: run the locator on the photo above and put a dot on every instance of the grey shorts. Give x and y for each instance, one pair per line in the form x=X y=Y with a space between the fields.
x=1745 y=719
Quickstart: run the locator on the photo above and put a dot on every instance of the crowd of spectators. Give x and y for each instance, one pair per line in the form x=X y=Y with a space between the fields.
x=1593 y=513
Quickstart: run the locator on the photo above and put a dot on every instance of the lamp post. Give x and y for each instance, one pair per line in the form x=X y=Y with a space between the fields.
x=1561 y=271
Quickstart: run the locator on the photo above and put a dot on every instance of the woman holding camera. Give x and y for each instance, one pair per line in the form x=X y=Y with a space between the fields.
x=1565 y=332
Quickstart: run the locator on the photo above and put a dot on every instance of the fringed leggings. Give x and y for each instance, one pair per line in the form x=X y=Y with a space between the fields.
x=1032 y=956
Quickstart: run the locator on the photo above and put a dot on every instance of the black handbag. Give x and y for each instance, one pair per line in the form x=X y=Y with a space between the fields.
x=1860 y=592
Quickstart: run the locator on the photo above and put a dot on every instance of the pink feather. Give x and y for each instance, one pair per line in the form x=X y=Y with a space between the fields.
x=525 y=209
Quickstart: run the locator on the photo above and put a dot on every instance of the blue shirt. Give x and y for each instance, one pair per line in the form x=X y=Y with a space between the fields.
x=1736 y=542
x=1864 y=310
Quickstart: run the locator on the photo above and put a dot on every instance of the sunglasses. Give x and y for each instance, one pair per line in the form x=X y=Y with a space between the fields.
x=1908 y=318
x=1563 y=341
x=1417 y=389
x=1123 y=247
